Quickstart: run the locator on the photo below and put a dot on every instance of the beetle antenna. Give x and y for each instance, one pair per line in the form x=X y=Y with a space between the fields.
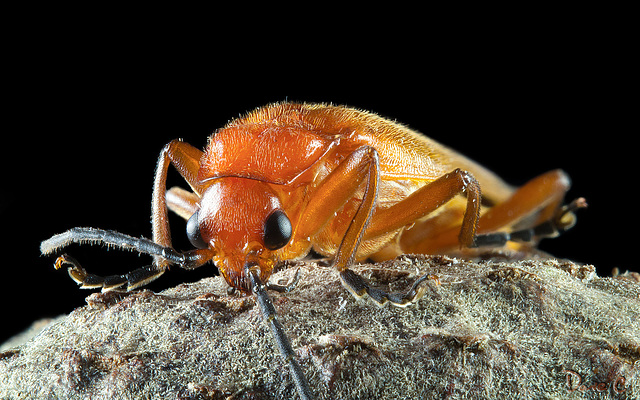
x=269 y=315
x=111 y=238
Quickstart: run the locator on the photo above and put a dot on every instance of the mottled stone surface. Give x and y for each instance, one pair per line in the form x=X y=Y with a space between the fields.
x=523 y=330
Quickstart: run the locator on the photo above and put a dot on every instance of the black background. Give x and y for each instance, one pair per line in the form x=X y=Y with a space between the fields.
x=91 y=124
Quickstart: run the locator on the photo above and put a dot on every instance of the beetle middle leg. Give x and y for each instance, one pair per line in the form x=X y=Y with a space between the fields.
x=361 y=168
x=421 y=203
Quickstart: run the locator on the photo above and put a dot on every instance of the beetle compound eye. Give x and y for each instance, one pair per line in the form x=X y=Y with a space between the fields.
x=277 y=230
x=193 y=232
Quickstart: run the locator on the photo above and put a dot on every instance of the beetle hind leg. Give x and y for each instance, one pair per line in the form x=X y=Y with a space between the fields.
x=132 y=280
x=359 y=287
x=563 y=220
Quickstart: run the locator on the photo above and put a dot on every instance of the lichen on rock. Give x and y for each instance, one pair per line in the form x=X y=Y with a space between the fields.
x=526 y=329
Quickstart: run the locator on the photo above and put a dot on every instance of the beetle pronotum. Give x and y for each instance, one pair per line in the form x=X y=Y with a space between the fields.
x=351 y=185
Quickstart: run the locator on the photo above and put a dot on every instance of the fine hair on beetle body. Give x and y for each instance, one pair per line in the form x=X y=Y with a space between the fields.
x=289 y=178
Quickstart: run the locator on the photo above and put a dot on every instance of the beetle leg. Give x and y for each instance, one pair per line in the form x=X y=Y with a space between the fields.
x=134 y=279
x=539 y=198
x=186 y=159
x=349 y=246
x=182 y=202
x=543 y=194
x=367 y=166
x=189 y=260
x=360 y=167
x=421 y=203
x=561 y=222
x=427 y=200
x=359 y=287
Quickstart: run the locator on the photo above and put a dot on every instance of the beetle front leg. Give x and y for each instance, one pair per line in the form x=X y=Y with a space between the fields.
x=360 y=168
x=188 y=260
x=134 y=279
x=186 y=159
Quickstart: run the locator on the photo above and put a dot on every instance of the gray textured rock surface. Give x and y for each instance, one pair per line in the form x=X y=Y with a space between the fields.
x=531 y=329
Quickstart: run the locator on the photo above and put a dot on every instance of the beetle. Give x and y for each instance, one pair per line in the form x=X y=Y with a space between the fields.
x=287 y=178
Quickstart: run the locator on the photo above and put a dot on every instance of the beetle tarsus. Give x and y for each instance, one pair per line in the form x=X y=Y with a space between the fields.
x=134 y=279
x=359 y=287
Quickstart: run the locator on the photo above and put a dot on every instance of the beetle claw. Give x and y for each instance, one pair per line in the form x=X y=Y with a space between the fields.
x=286 y=288
x=565 y=219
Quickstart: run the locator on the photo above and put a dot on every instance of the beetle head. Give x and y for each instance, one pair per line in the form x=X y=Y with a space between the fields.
x=242 y=220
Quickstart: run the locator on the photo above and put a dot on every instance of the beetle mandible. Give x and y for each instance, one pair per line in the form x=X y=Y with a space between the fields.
x=288 y=178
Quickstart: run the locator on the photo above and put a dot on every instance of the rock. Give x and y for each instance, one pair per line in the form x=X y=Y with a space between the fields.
x=520 y=330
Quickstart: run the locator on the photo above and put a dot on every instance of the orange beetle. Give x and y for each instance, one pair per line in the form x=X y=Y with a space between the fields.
x=351 y=185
